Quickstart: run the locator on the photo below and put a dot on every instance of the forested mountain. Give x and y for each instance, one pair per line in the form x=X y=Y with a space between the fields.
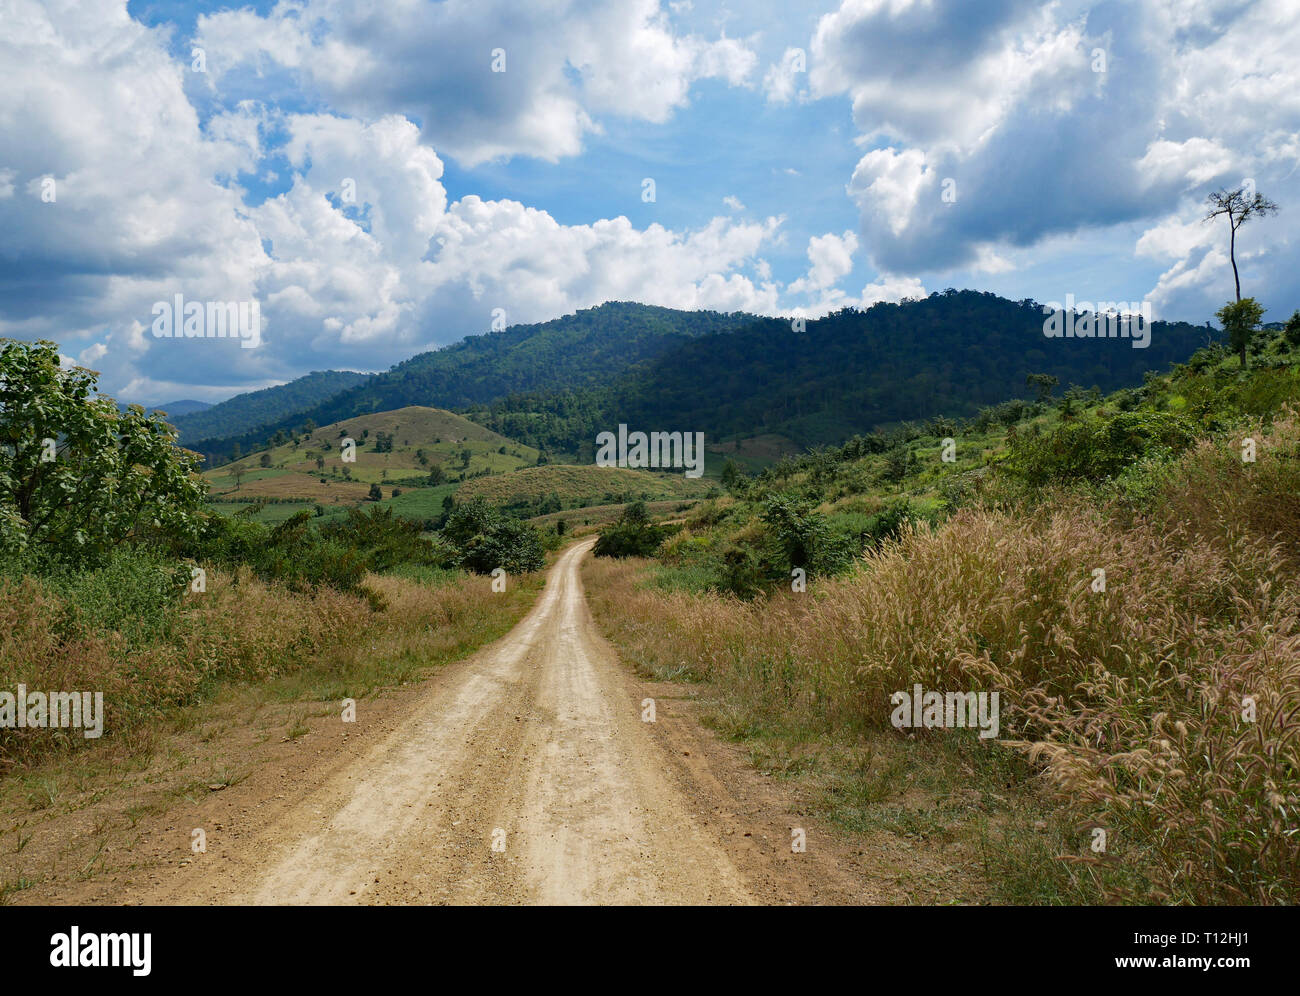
x=949 y=354
x=554 y=385
x=246 y=412
x=584 y=350
x=176 y=408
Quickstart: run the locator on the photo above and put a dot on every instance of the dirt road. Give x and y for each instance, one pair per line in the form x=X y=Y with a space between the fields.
x=523 y=774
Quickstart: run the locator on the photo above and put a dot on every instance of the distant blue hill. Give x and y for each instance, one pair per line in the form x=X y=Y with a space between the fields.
x=172 y=408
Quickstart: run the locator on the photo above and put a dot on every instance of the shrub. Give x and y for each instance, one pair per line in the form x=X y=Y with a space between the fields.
x=631 y=536
x=1098 y=448
x=481 y=539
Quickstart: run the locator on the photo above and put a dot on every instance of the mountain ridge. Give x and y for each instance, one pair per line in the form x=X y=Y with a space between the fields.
x=552 y=385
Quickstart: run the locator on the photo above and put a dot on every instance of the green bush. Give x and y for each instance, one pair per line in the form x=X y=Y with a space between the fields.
x=631 y=536
x=480 y=539
x=1096 y=449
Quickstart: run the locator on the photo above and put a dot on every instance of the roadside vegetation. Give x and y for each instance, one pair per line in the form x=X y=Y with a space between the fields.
x=1122 y=570
x=116 y=577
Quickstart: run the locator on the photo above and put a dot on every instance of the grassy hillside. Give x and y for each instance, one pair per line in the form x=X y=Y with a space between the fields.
x=424 y=442
x=562 y=486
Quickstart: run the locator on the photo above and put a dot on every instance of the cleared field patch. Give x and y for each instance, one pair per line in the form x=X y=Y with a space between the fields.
x=577 y=486
x=599 y=515
x=300 y=486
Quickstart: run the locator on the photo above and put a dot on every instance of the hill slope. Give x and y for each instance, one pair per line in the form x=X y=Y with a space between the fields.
x=423 y=441
x=537 y=489
x=949 y=354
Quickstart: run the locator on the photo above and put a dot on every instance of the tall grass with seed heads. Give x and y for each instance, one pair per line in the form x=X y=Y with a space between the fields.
x=1164 y=709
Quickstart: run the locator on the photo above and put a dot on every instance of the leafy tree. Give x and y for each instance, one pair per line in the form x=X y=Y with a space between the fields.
x=484 y=539
x=796 y=529
x=1292 y=329
x=636 y=514
x=512 y=545
x=1240 y=319
x=1238 y=208
x=899 y=462
x=631 y=536
x=732 y=475
x=77 y=477
x=375 y=493
x=1045 y=383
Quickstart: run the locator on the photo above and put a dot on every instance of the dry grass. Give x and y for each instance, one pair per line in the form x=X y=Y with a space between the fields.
x=324 y=644
x=1130 y=699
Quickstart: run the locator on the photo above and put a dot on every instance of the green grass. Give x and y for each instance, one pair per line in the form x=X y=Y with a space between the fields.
x=421 y=503
x=272 y=513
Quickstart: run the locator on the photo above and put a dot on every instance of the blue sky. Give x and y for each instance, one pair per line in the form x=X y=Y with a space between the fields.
x=803 y=160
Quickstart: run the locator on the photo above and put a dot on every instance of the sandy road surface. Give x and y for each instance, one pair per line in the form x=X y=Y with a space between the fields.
x=536 y=745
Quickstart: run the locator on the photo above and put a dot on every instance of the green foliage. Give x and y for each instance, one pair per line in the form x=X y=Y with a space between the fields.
x=134 y=592
x=733 y=476
x=1240 y=320
x=1292 y=329
x=797 y=532
x=739 y=572
x=631 y=536
x=1044 y=383
x=114 y=475
x=1094 y=449
x=889 y=521
x=483 y=539
x=291 y=553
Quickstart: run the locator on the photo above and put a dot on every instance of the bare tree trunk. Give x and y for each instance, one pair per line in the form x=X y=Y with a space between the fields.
x=1232 y=254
